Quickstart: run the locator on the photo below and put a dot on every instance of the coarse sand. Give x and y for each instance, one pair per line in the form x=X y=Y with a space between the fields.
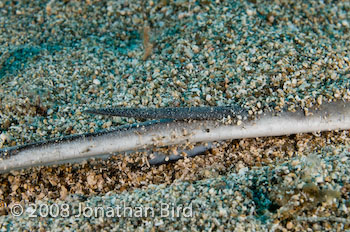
x=59 y=58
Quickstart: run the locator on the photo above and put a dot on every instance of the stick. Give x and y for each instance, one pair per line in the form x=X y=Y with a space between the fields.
x=329 y=116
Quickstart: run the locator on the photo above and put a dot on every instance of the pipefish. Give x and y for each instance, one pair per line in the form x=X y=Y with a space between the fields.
x=193 y=125
x=176 y=113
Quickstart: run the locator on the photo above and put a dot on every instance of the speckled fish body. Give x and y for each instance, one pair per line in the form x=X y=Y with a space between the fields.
x=330 y=116
x=178 y=113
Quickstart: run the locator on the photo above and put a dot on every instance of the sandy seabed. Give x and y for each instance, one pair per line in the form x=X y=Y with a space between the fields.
x=58 y=58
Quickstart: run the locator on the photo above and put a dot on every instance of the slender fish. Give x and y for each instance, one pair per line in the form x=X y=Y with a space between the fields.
x=177 y=113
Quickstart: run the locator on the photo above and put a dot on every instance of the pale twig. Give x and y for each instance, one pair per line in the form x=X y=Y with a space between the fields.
x=166 y=132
